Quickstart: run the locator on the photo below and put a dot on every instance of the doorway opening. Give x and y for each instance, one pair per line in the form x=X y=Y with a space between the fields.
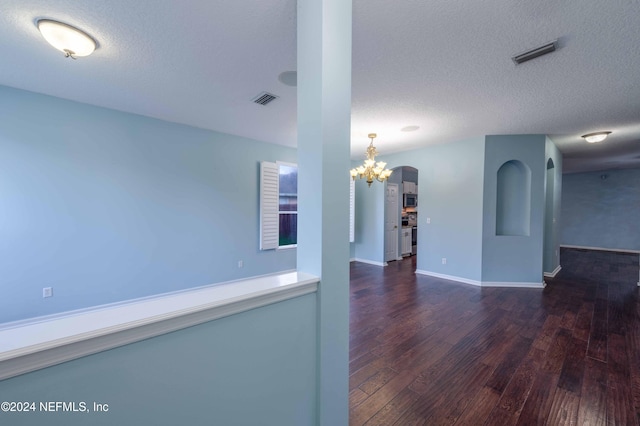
x=401 y=214
x=550 y=251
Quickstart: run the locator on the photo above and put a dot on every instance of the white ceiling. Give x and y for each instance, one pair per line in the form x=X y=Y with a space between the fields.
x=442 y=65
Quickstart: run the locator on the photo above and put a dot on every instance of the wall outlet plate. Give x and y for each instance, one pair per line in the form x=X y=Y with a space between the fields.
x=47 y=292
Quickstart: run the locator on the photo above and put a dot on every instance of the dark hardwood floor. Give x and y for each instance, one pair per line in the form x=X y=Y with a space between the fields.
x=435 y=352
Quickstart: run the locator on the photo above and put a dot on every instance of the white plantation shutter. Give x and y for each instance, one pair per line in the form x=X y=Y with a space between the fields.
x=352 y=210
x=269 y=223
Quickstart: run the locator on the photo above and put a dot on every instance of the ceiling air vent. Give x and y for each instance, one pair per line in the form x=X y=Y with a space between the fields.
x=264 y=98
x=534 y=53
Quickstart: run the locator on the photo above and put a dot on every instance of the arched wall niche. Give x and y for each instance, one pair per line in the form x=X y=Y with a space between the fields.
x=513 y=201
x=550 y=164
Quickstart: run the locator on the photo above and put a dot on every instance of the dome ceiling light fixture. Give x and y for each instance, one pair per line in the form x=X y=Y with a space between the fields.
x=596 y=136
x=67 y=39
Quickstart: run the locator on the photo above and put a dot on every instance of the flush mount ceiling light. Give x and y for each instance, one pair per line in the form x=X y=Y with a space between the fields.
x=67 y=39
x=371 y=169
x=596 y=137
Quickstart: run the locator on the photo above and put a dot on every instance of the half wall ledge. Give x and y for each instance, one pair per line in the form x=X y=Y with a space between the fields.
x=41 y=342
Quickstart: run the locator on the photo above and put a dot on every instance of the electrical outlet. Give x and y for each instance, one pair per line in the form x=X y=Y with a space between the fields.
x=47 y=292
x=444 y=260
x=240 y=263
x=428 y=220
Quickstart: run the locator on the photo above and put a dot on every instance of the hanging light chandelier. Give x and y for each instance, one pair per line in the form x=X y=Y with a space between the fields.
x=371 y=169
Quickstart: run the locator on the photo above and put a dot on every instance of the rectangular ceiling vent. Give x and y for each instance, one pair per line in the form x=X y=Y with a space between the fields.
x=534 y=53
x=264 y=98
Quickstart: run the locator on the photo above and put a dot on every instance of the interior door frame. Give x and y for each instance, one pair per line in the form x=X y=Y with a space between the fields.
x=386 y=218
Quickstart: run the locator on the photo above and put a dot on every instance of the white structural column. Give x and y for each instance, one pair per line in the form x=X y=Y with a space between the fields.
x=324 y=116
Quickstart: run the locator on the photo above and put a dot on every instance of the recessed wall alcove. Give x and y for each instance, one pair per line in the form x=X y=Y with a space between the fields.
x=513 y=201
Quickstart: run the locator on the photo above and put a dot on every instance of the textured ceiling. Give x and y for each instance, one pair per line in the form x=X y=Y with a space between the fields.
x=442 y=65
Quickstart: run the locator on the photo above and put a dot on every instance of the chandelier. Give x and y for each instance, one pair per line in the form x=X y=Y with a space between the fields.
x=371 y=169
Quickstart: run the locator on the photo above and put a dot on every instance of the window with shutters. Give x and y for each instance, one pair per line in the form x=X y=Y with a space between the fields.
x=278 y=205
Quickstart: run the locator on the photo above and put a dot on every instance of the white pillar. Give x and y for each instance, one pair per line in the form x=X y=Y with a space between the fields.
x=324 y=119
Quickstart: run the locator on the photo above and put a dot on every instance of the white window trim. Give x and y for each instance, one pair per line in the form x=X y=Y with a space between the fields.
x=288 y=246
x=270 y=207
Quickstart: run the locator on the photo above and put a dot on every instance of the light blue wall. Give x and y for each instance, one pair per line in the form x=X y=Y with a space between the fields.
x=104 y=206
x=253 y=368
x=457 y=191
x=602 y=213
x=324 y=131
x=553 y=203
x=369 y=221
x=449 y=193
x=507 y=258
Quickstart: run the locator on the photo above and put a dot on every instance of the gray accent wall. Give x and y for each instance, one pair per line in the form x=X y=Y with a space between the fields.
x=601 y=209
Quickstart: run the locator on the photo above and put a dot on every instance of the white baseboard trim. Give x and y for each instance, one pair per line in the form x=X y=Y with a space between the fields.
x=554 y=273
x=449 y=277
x=371 y=262
x=515 y=284
x=600 y=249
x=482 y=283
x=27 y=346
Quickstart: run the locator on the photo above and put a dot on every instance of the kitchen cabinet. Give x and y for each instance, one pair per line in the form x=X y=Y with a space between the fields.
x=406 y=241
x=409 y=188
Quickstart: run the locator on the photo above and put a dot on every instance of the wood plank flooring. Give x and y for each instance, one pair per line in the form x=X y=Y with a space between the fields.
x=426 y=351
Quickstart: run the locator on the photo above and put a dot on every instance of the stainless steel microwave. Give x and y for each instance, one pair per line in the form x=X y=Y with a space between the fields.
x=410 y=200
